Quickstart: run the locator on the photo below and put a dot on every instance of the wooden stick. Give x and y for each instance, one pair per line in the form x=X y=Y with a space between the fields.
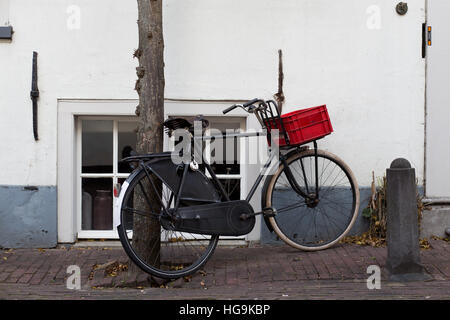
x=279 y=96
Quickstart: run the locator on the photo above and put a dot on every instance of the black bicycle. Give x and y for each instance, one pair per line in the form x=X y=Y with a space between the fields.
x=172 y=215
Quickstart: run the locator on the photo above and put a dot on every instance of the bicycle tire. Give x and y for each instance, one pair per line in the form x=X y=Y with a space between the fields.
x=294 y=229
x=180 y=254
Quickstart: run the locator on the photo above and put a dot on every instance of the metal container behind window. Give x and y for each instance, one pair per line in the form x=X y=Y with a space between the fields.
x=86 y=218
x=102 y=217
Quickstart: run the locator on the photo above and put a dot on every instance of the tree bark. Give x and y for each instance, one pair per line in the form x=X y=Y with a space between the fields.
x=150 y=87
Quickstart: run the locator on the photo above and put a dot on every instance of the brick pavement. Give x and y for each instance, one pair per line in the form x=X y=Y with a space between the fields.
x=268 y=272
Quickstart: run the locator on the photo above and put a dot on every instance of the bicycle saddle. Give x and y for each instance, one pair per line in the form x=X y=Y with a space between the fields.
x=177 y=123
x=181 y=123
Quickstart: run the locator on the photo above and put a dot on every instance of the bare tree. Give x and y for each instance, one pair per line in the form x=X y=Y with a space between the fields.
x=150 y=87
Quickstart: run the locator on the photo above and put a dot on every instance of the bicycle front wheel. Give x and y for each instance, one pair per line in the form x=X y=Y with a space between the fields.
x=147 y=237
x=313 y=225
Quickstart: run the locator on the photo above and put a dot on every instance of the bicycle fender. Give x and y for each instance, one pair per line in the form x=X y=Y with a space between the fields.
x=118 y=204
x=118 y=201
x=263 y=201
x=123 y=189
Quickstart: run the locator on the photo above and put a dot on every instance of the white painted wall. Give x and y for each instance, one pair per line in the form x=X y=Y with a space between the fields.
x=94 y=61
x=438 y=101
x=371 y=79
x=4 y=12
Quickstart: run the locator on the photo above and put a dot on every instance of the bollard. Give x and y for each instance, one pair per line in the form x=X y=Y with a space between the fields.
x=403 y=257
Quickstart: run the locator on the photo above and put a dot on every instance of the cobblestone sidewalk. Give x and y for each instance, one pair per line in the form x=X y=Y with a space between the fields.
x=269 y=272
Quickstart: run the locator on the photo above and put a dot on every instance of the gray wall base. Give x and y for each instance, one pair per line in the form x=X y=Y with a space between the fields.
x=435 y=221
x=28 y=217
x=361 y=225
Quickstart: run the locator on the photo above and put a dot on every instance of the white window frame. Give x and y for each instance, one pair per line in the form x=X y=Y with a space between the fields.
x=68 y=112
x=70 y=109
x=115 y=175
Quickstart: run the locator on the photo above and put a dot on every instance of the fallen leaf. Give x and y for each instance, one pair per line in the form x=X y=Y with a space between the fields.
x=187 y=279
x=447 y=239
x=424 y=244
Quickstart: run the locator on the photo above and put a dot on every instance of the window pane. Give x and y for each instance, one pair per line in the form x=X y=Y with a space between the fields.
x=97 y=204
x=127 y=139
x=232 y=188
x=226 y=152
x=97 y=146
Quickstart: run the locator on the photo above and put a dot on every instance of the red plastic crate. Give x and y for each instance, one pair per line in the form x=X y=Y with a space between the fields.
x=303 y=126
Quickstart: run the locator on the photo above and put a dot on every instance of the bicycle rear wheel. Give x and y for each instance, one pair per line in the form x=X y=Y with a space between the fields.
x=149 y=243
x=306 y=224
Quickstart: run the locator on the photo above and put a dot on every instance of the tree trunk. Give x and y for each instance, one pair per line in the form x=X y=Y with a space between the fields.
x=150 y=87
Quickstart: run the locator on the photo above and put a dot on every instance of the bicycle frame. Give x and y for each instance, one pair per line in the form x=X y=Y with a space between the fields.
x=176 y=194
x=268 y=115
x=262 y=173
x=267 y=166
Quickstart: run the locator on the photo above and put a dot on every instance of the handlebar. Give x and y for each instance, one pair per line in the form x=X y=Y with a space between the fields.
x=248 y=104
x=245 y=105
x=230 y=109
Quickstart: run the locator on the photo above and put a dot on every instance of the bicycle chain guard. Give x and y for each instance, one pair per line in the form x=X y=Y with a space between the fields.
x=222 y=218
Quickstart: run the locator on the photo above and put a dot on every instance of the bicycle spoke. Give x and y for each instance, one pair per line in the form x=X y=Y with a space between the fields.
x=144 y=193
x=169 y=253
x=140 y=212
x=303 y=216
x=288 y=208
x=329 y=218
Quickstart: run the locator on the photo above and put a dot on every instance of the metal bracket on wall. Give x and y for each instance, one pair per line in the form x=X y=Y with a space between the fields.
x=6 y=33
x=426 y=38
x=34 y=94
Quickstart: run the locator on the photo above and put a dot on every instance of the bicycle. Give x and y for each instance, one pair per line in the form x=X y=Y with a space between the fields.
x=310 y=201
